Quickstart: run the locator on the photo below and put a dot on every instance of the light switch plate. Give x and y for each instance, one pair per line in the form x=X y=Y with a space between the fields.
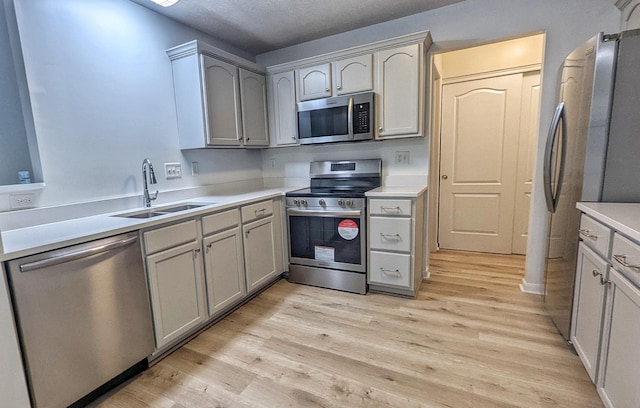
x=172 y=171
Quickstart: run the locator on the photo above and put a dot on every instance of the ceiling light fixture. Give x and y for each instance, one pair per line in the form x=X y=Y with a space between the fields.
x=165 y=3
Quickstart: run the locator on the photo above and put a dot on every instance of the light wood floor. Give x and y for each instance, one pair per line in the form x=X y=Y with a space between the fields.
x=471 y=339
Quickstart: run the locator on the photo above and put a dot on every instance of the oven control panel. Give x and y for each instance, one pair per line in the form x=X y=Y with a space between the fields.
x=328 y=202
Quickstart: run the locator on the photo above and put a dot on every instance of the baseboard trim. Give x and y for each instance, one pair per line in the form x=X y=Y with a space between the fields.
x=531 y=288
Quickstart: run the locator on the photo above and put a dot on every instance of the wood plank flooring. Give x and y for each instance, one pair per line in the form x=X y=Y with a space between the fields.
x=470 y=339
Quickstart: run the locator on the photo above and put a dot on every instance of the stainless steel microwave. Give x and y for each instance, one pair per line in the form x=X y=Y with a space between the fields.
x=346 y=118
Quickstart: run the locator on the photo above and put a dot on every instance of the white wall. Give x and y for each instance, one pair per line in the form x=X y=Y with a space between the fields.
x=567 y=23
x=102 y=95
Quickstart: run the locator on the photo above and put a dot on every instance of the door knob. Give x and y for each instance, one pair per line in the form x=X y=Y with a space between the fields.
x=444 y=177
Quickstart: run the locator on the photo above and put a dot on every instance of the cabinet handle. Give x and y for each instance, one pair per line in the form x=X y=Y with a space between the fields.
x=327 y=89
x=196 y=252
x=391 y=272
x=596 y=273
x=587 y=234
x=391 y=236
x=260 y=212
x=622 y=260
x=603 y=281
x=387 y=209
x=209 y=247
x=339 y=87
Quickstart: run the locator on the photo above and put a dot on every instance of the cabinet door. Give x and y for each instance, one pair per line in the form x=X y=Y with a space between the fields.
x=224 y=269
x=399 y=91
x=619 y=384
x=176 y=284
x=588 y=308
x=222 y=101
x=259 y=252
x=253 y=99
x=353 y=75
x=282 y=109
x=314 y=82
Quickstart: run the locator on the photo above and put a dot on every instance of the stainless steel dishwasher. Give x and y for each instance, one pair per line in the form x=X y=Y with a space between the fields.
x=84 y=318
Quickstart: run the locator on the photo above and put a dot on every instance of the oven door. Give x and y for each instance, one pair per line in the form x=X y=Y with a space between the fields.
x=327 y=238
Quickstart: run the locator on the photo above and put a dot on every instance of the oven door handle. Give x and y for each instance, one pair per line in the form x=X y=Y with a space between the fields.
x=314 y=213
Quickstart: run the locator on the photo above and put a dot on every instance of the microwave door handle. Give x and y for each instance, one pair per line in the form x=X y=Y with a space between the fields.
x=350 y=118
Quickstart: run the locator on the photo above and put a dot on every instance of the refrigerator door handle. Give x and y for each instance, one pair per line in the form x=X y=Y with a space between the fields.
x=551 y=196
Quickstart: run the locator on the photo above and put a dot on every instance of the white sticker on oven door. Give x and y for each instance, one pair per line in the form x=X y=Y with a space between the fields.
x=348 y=229
x=324 y=253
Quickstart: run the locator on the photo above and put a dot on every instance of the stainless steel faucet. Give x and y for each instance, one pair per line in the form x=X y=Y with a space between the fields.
x=152 y=180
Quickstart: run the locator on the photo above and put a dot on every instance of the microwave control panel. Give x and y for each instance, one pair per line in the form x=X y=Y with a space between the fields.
x=361 y=118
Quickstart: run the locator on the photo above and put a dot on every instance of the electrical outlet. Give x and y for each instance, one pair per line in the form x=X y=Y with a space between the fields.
x=195 y=169
x=172 y=171
x=273 y=163
x=21 y=201
x=402 y=157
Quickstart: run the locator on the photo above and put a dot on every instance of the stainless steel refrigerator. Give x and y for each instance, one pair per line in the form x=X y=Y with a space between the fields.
x=592 y=152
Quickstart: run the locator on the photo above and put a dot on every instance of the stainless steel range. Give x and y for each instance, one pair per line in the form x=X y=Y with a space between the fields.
x=327 y=234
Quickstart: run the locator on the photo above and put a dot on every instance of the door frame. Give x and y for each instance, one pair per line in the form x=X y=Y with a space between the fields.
x=435 y=116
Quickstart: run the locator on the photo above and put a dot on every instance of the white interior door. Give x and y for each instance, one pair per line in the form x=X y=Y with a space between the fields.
x=479 y=150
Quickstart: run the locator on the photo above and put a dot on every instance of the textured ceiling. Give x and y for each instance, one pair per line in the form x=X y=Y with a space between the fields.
x=259 y=26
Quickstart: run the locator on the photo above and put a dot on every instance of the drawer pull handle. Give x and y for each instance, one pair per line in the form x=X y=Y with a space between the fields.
x=622 y=260
x=260 y=212
x=391 y=236
x=391 y=272
x=587 y=234
x=603 y=281
x=396 y=209
x=596 y=273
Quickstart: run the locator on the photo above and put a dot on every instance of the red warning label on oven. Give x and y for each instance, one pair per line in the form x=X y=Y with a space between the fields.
x=348 y=229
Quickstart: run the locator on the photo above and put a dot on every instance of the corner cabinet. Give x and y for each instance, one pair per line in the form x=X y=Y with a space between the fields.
x=220 y=98
x=396 y=244
x=283 y=123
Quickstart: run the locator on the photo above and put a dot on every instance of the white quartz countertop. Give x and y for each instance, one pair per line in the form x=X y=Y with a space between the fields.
x=397 y=191
x=45 y=237
x=623 y=217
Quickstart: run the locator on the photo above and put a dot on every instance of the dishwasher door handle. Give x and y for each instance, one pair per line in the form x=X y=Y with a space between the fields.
x=72 y=256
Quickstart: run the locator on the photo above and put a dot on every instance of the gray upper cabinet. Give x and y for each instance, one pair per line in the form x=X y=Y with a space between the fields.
x=220 y=98
x=253 y=98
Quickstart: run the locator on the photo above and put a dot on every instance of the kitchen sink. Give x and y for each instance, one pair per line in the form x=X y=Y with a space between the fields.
x=156 y=212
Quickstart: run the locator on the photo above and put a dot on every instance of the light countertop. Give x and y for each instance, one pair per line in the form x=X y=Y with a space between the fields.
x=397 y=191
x=623 y=217
x=45 y=237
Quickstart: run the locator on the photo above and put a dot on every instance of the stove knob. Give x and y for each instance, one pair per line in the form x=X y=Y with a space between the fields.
x=322 y=202
x=340 y=202
x=303 y=202
x=350 y=203
x=296 y=201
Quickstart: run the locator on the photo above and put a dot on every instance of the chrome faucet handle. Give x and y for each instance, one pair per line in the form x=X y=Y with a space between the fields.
x=153 y=196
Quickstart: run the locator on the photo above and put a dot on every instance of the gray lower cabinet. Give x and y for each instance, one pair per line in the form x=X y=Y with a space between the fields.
x=588 y=307
x=619 y=384
x=260 y=238
x=396 y=245
x=176 y=280
x=201 y=268
x=223 y=260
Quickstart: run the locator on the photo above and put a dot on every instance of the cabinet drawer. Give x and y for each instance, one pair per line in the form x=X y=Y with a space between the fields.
x=220 y=221
x=595 y=235
x=625 y=257
x=171 y=236
x=389 y=233
x=390 y=269
x=389 y=207
x=258 y=210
